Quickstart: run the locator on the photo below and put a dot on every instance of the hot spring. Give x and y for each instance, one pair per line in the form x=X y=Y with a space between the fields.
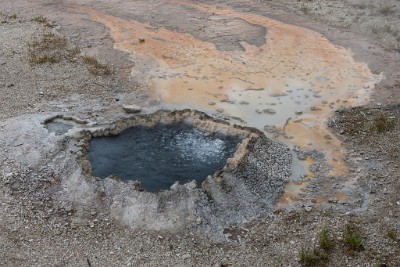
x=161 y=155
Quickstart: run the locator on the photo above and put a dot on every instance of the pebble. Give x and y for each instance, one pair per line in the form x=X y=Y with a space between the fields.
x=186 y=256
x=269 y=111
x=308 y=208
x=211 y=103
x=131 y=108
x=332 y=200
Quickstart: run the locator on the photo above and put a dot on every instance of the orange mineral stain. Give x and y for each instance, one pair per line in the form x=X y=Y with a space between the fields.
x=294 y=81
x=294 y=189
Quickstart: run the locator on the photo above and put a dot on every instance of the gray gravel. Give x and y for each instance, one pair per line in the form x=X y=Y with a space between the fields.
x=41 y=186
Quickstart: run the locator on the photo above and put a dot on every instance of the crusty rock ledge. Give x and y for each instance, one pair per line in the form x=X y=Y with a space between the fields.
x=247 y=185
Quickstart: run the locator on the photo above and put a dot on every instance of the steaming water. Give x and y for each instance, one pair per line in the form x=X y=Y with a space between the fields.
x=161 y=155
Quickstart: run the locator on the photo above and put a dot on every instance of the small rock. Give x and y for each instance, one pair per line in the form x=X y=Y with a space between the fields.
x=132 y=108
x=314 y=109
x=269 y=111
x=308 y=208
x=186 y=256
x=332 y=200
x=211 y=103
x=174 y=186
x=270 y=128
x=298 y=112
x=198 y=221
x=301 y=155
x=226 y=263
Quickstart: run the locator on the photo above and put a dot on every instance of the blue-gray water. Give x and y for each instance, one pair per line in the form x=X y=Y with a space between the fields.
x=161 y=155
x=58 y=127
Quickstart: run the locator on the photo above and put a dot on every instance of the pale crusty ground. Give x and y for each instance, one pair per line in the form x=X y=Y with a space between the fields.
x=35 y=231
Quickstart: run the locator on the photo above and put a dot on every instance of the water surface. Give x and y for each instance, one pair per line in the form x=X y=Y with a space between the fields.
x=161 y=155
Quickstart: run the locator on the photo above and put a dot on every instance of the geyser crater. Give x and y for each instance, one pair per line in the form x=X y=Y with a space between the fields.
x=159 y=150
x=250 y=176
x=161 y=155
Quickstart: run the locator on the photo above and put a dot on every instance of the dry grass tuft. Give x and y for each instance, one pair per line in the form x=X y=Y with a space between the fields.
x=49 y=48
x=95 y=67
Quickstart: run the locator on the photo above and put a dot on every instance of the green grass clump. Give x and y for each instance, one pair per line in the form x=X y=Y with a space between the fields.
x=382 y=123
x=392 y=234
x=352 y=238
x=314 y=257
x=318 y=256
x=95 y=67
x=326 y=241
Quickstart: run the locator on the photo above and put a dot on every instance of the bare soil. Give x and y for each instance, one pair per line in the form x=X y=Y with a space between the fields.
x=91 y=80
